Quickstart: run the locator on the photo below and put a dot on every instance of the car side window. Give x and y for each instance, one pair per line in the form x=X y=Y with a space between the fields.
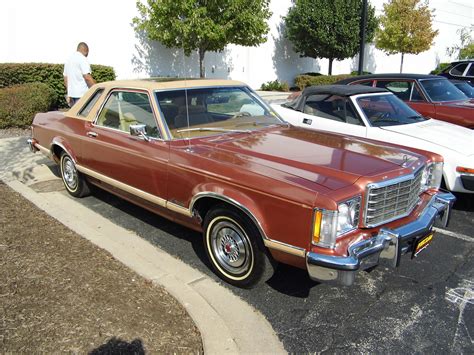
x=459 y=69
x=332 y=107
x=126 y=108
x=400 y=88
x=415 y=94
x=366 y=83
x=86 y=109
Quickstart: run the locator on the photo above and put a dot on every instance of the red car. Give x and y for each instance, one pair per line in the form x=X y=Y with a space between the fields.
x=212 y=156
x=431 y=95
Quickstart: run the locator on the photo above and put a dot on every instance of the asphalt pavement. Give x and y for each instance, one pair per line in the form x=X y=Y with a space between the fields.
x=424 y=306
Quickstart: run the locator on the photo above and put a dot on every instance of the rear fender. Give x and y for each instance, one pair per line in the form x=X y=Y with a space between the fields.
x=58 y=144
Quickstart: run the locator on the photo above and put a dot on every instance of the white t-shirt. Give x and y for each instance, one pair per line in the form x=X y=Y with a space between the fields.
x=75 y=67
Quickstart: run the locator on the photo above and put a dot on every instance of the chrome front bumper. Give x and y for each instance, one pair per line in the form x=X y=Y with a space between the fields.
x=387 y=246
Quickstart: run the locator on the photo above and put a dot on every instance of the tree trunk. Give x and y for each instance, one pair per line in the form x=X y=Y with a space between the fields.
x=330 y=66
x=202 y=71
x=401 y=64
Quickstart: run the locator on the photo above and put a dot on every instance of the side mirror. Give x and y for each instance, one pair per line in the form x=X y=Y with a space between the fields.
x=139 y=130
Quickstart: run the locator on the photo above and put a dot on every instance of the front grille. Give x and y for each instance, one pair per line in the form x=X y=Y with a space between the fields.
x=392 y=199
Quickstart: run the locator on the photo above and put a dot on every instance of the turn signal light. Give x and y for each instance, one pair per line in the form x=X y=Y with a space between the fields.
x=461 y=169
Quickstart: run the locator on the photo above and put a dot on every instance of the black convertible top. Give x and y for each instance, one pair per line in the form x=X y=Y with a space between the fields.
x=339 y=90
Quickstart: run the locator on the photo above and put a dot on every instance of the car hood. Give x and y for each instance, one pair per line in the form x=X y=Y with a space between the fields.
x=331 y=160
x=443 y=134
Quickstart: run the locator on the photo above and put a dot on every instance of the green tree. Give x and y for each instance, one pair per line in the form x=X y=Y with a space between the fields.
x=204 y=25
x=465 y=49
x=328 y=28
x=406 y=27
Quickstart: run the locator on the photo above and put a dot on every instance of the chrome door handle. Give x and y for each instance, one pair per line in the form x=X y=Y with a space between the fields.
x=91 y=134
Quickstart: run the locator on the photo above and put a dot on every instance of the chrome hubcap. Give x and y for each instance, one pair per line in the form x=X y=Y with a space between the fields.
x=69 y=173
x=231 y=247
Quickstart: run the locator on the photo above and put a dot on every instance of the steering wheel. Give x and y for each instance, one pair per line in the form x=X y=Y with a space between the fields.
x=381 y=116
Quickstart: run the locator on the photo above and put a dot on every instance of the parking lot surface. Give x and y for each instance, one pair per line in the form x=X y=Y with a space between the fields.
x=426 y=305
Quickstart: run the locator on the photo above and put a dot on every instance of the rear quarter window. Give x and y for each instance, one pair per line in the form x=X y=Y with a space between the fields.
x=86 y=109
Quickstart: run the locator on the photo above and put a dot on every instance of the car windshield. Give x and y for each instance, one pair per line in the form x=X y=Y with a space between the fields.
x=442 y=90
x=211 y=111
x=387 y=110
x=466 y=88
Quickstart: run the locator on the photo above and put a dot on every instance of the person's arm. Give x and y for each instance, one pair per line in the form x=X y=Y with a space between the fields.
x=68 y=99
x=89 y=80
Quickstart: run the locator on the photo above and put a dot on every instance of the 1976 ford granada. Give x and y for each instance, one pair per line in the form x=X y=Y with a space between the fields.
x=212 y=156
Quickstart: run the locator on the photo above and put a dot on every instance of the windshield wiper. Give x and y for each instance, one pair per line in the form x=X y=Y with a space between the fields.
x=215 y=129
x=414 y=117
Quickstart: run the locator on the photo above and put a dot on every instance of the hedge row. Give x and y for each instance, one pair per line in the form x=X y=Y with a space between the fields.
x=50 y=74
x=20 y=103
x=303 y=81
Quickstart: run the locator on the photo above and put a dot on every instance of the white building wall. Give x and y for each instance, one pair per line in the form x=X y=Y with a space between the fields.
x=49 y=30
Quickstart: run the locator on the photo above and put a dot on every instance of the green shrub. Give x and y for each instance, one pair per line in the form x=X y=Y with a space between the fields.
x=50 y=74
x=275 y=85
x=440 y=68
x=356 y=72
x=303 y=81
x=20 y=103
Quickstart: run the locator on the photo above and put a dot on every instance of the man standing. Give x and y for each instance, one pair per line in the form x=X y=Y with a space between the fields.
x=77 y=74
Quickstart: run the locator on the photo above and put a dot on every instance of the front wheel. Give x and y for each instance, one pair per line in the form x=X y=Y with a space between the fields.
x=73 y=180
x=232 y=245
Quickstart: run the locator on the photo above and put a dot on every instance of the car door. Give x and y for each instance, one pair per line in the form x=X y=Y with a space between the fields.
x=332 y=113
x=113 y=155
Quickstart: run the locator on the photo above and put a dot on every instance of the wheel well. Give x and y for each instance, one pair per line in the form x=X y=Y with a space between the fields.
x=205 y=204
x=57 y=150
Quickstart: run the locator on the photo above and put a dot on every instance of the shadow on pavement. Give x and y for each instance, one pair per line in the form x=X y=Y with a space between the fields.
x=119 y=346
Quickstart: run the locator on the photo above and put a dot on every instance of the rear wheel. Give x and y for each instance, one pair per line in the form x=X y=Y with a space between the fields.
x=234 y=248
x=73 y=180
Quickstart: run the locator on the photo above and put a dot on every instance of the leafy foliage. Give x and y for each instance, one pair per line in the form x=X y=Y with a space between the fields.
x=465 y=49
x=50 y=74
x=303 y=81
x=275 y=85
x=406 y=27
x=328 y=28
x=20 y=103
x=204 y=25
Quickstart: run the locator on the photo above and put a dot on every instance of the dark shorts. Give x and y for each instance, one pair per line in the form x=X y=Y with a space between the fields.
x=74 y=100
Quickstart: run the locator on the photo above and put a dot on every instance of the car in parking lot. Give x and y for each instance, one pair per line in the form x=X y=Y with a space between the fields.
x=465 y=87
x=431 y=95
x=213 y=156
x=377 y=113
x=460 y=70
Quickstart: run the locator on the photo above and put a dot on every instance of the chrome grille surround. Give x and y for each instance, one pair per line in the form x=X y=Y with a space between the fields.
x=392 y=199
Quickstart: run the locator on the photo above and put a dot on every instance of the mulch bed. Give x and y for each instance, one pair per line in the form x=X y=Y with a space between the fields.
x=59 y=292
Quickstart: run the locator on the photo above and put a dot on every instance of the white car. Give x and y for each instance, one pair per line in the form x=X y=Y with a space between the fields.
x=378 y=114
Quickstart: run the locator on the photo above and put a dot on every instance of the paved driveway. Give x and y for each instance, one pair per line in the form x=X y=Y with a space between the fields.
x=427 y=305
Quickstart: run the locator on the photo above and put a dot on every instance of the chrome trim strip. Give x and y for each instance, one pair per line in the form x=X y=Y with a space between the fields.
x=286 y=248
x=55 y=142
x=232 y=202
x=178 y=209
x=130 y=189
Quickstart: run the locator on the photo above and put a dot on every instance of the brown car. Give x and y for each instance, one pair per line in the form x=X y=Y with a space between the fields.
x=212 y=156
x=431 y=95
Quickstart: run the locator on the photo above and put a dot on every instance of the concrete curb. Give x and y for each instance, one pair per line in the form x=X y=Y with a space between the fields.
x=227 y=324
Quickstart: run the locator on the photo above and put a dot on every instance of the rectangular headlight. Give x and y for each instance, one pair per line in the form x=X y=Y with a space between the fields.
x=328 y=225
x=432 y=176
